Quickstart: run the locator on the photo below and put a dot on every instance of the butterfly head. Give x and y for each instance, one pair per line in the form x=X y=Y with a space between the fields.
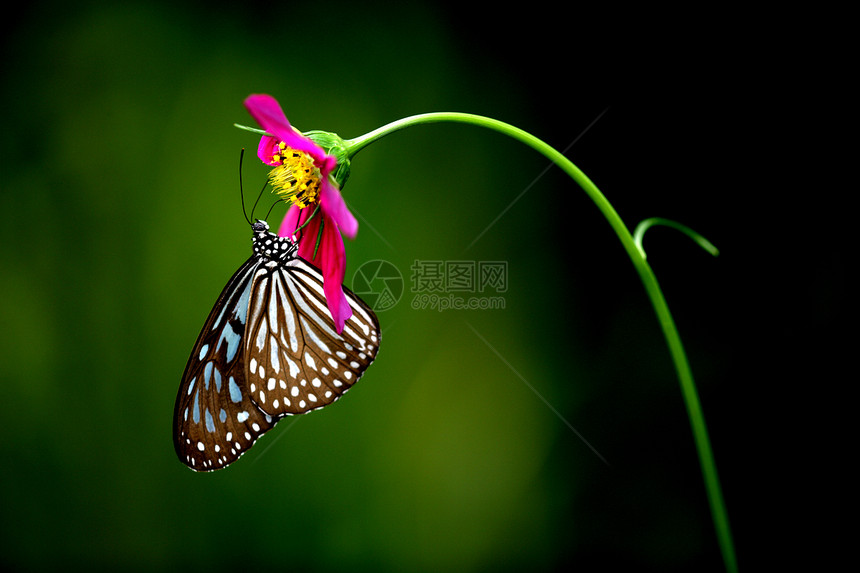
x=270 y=246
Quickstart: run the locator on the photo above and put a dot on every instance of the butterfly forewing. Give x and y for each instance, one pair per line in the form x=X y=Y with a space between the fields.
x=214 y=420
x=296 y=360
x=268 y=349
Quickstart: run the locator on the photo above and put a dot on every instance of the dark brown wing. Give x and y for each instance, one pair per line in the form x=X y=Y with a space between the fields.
x=295 y=360
x=214 y=420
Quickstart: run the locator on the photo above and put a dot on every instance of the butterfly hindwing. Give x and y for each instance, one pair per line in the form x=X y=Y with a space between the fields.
x=297 y=361
x=215 y=422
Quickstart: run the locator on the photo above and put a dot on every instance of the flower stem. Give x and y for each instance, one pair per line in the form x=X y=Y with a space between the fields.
x=649 y=280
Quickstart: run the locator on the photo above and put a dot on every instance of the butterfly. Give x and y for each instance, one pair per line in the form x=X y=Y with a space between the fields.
x=269 y=349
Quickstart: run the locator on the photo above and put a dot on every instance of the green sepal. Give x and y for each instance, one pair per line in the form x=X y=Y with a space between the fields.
x=333 y=144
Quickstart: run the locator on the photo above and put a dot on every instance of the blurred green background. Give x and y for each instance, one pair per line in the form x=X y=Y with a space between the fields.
x=122 y=222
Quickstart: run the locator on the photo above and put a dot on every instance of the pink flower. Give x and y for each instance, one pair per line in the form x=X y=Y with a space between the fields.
x=301 y=174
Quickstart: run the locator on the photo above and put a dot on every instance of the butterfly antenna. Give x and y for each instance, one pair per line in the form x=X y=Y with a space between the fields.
x=242 y=191
x=299 y=226
x=254 y=208
x=273 y=206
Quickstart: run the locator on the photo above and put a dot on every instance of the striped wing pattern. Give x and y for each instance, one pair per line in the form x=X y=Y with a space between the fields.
x=268 y=349
x=296 y=359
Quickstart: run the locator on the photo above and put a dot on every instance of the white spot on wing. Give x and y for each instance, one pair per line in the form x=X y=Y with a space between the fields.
x=262 y=333
x=273 y=355
x=294 y=368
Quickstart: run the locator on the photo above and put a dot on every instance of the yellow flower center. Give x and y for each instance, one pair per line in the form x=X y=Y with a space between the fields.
x=296 y=178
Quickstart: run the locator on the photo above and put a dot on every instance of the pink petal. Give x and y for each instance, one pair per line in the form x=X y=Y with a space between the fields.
x=308 y=241
x=334 y=206
x=268 y=113
x=268 y=147
x=291 y=221
x=334 y=268
x=330 y=259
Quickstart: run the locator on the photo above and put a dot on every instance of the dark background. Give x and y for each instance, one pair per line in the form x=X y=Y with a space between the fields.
x=121 y=223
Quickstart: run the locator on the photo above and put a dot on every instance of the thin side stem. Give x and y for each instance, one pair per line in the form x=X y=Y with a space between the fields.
x=649 y=280
x=639 y=234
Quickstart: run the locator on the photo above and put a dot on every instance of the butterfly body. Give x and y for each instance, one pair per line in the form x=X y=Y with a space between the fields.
x=268 y=349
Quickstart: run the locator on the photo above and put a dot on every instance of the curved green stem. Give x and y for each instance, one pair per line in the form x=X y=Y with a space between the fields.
x=649 y=280
x=646 y=224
